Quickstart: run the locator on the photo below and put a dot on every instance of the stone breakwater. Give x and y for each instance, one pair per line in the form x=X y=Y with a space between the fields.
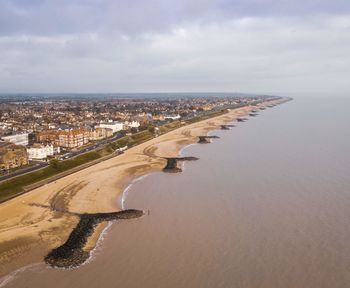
x=206 y=139
x=171 y=165
x=72 y=254
x=227 y=127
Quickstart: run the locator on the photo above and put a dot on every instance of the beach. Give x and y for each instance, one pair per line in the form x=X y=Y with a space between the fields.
x=32 y=224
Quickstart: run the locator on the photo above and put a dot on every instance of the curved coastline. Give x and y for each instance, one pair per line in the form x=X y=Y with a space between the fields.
x=147 y=158
x=124 y=193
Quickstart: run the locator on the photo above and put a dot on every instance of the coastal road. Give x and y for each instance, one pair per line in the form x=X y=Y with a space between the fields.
x=67 y=156
x=19 y=172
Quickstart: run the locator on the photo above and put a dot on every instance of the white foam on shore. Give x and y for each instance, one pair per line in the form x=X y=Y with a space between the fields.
x=124 y=194
x=93 y=252
x=98 y=246
x=181 y=154
x=12 y=276
x=186 y=147
x=104 y=233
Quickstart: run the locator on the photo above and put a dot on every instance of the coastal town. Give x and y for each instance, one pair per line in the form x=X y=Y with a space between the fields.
x=68 y=193
x=34 y=131
x=174 y=144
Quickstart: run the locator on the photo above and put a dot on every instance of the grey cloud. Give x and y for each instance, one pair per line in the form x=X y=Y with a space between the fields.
x=161 y=45
x=39 y=17
x=253 y=55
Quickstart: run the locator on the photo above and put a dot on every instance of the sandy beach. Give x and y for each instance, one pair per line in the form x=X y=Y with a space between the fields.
x=29 y=226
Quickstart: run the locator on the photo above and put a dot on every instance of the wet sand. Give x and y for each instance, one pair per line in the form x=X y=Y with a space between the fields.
x=31 y=226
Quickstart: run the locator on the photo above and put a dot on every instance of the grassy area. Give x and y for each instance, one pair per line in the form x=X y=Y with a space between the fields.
x=206 y=116
x=169 y=127
x=132 y=140
x=16 y=185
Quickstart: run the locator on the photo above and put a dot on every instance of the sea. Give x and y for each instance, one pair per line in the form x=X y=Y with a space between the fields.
x=266 y=205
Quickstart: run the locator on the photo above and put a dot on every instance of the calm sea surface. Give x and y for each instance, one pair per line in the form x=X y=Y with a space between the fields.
x=267 y=205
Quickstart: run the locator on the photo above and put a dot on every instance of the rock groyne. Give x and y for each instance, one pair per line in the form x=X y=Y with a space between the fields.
x=171 y=165
x=227 y=127
x=206 y=139
x=72 y=254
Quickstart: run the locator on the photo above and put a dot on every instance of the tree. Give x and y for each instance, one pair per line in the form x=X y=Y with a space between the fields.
x=151 y=128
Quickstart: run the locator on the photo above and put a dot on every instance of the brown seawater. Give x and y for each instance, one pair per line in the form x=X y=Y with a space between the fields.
x=267 y=205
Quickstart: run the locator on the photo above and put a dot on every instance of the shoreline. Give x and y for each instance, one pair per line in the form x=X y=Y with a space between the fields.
x=124 y=194
x=76 y=193
x=75 y=251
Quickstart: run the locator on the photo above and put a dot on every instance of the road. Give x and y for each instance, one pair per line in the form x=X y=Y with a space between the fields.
x=22 y=171
x=41 y=164
x=104 y=143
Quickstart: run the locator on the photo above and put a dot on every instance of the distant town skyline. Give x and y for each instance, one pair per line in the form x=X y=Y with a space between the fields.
x=252 y=46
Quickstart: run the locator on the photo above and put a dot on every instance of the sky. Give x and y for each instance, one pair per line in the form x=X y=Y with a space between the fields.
x=252 y=46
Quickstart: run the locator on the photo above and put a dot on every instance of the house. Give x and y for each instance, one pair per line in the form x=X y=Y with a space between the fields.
x=12 y=156
x=40 y=152
x=17 y=139
x=172 y=116
x=100 y=133
x=132 y=124
x=115 y=126
x=48 y=136
x=73 y=138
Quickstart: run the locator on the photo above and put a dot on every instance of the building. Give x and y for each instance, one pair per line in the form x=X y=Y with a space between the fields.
x=17 y=139
x=115 y=126
x=172 y=116
x=159 y=117
x=40 y=152
x=100 y=133
x=73 y=138
x=67 y=139
x=144 y=119
x=132 y=124
x=48 y=136
x=12 y=156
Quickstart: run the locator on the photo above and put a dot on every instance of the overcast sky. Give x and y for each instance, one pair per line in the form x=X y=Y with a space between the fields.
x=268 y=46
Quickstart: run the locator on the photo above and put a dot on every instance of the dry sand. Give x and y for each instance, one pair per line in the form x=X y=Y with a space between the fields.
x=29 y=227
